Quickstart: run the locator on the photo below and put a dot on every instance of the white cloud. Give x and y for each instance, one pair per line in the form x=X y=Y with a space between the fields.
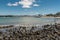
x=36 y=5
x=15 y=4
x=24 y=3
x=9 y=4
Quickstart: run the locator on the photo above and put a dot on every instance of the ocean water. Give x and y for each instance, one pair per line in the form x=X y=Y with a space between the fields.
x=27 y=20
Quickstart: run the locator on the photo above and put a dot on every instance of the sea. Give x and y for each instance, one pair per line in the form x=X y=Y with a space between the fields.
x=28 y=20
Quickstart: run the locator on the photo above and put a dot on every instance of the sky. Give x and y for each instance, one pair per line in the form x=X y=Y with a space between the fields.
x=29 y=7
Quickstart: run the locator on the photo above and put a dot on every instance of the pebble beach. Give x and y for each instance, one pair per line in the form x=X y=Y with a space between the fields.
x=47 y=32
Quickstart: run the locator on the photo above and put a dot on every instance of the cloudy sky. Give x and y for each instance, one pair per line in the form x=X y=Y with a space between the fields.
x=29 y=7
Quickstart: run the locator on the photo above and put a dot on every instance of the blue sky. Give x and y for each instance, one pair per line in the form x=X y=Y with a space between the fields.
x=29 y=7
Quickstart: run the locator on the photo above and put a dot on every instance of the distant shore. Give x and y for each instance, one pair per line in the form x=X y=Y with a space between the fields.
x=49 y=17
x=34 y=16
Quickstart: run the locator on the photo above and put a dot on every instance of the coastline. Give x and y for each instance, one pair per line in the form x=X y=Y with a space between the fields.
x=27 y=26
x=49 y=17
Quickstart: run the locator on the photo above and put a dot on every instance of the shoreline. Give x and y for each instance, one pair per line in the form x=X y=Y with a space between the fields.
x=49 y=17
x=41 y=17
x=27 y=26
